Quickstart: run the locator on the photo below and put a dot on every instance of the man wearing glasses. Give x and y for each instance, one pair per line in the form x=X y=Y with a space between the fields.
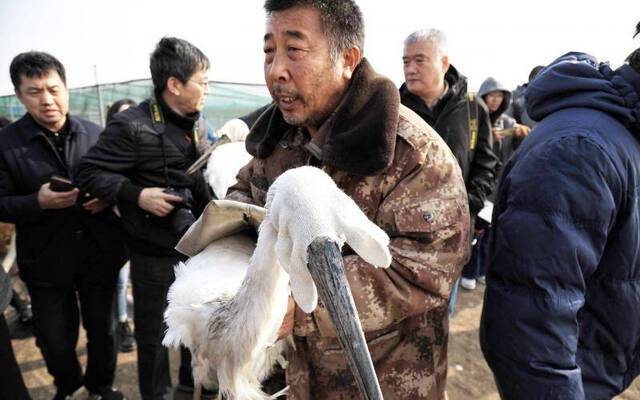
x=140 y=163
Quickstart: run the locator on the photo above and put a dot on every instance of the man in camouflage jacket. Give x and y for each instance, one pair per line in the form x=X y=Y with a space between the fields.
x=399 y=172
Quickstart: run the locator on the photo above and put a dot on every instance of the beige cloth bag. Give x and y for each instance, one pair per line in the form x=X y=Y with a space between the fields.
x=221 y=218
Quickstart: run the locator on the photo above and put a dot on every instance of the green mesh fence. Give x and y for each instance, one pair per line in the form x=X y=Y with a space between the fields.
x=225 y=100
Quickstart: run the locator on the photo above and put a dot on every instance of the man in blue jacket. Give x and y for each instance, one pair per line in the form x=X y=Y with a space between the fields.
x=561 y=318
x=68 y=246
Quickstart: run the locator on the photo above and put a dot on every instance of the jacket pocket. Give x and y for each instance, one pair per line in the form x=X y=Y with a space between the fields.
x=425 y=219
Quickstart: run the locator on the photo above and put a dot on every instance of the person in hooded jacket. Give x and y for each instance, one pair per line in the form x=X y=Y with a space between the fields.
x=518 y=107
x=561 y=309
x=507 y=132
x=507 y=136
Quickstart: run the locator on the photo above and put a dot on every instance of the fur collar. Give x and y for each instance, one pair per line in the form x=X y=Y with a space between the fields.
x=360 y=135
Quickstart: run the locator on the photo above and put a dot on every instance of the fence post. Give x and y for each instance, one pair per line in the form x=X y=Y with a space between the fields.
x=100 y=102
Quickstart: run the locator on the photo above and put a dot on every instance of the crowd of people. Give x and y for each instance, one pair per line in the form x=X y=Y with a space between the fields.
x=559 y=158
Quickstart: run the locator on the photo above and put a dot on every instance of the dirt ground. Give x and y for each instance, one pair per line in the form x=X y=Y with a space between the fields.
x=469 y=376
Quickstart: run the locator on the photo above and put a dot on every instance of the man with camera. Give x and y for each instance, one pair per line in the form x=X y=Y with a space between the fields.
x=68 y=242
x=140 y=163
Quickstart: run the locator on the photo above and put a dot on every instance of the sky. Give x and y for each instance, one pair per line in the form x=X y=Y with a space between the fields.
x=110 y=41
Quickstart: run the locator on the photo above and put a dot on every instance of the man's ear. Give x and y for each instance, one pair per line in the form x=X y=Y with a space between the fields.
x=445 y=64
x=174 y=86
x=350 y=58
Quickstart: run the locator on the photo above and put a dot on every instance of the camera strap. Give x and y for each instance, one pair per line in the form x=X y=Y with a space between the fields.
x=472 y=116
x=157 y=119
x=156 y=116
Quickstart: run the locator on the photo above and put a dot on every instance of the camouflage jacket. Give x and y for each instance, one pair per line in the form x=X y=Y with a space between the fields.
x=406 y=180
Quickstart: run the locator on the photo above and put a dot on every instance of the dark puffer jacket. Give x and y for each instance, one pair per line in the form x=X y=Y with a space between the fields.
x=131 y=155
x=477 y=160
x=561 y=317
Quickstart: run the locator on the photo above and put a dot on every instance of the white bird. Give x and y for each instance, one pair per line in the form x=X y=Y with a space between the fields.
x=223 y=166
x=227 y=159
x=230 y=323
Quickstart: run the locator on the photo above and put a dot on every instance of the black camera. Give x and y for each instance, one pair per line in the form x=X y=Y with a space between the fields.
x=181 y=218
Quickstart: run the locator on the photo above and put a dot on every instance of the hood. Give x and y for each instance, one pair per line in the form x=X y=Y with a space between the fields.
x=578 y=80
x=491 y=84
x=457 y=82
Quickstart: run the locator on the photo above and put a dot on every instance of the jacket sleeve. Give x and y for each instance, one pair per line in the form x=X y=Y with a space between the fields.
x=427 y=219
x=241 y=191
x=102 y=171
x=550 y=229
x=482 y=172
x=15 y=207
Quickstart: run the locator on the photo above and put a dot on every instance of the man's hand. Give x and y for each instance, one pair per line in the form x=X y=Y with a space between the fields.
x=497 y=135
x=286 y=328
x=521 y=131
x=48 y=199
x=157 y=202
x=95 y=206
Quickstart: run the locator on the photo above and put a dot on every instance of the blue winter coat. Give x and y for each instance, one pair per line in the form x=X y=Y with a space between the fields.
x=561 y=317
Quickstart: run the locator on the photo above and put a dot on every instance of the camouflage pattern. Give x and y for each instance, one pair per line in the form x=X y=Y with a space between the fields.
x=421 y=202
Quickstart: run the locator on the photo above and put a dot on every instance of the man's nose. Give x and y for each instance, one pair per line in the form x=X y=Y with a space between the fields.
x=46 y=98
x=278 y=69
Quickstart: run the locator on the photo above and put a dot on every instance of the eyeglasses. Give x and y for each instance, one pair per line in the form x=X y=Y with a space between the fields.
x=203 y=85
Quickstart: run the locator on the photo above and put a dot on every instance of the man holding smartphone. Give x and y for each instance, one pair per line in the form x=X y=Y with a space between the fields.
x=68 y=249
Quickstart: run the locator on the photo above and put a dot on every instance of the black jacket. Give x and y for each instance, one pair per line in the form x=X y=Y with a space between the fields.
x=133 y=154
x=451 y=121
x=53 y=245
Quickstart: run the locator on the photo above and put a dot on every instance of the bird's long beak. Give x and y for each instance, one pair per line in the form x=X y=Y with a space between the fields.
x=327 y=270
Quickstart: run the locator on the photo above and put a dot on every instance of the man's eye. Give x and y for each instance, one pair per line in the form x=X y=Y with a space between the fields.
x=268 y=50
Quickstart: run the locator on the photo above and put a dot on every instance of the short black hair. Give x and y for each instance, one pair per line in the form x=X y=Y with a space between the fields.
x=34 y=63
x=175 y=57
x=535 y=71
x=341 y=20
x=115 y=107
x=634 y=58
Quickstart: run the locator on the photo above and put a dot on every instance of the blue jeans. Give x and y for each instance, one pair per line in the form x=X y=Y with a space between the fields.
x=475 y=267
x=454 y=297
x=123 y=280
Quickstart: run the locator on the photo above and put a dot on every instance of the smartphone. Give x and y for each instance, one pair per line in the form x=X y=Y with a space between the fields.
x=60 y=184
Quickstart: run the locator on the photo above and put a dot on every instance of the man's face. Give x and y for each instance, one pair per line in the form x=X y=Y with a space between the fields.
x=302 y=79
x=193 y=93
x=46 y=98
x=494 y=100
x=424 y=68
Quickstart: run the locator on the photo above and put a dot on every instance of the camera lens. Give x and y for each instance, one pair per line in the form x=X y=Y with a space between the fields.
x=181 y=219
